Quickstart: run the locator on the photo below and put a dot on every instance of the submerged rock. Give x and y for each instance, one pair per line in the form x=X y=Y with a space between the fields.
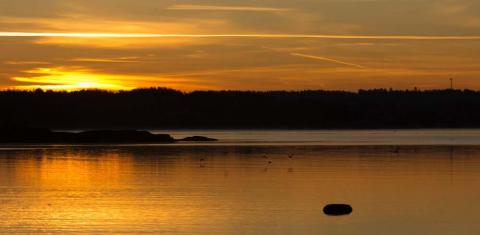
x=198 y=139
x=337 y=209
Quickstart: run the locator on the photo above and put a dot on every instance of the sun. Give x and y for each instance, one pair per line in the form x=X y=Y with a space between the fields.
x=71 y=80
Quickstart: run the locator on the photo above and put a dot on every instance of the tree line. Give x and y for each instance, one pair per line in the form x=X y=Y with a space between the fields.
x=167 y=108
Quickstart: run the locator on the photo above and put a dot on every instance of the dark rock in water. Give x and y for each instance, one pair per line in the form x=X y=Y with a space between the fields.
x=337 y=209
x=121 y=136
x=198 y=139
x=41 y=136
x=24 y=135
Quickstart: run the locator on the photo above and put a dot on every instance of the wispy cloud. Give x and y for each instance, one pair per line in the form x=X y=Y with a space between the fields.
x=314 y=57
x=108 y=60
x=293 y=36
x=26 y=62
x=185 y=7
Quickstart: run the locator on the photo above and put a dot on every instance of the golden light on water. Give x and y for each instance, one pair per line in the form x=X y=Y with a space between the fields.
x=132 y=189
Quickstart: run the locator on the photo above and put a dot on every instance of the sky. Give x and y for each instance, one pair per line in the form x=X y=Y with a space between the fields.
x=239 y=45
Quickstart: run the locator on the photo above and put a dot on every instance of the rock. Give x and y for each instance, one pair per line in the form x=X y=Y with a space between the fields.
x=24 y=135
x=198 y=139
x=121 y=136
x=44 y=136
x=337 y=209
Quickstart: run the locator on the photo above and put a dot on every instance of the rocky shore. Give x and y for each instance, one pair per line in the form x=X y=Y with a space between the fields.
x=42 y=136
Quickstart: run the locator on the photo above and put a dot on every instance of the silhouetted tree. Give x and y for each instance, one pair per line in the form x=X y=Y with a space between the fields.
x=167 y=108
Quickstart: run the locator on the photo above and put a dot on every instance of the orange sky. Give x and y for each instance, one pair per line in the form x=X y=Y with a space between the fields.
x=254 y=45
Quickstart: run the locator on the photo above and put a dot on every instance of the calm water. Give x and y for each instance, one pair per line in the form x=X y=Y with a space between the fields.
x=242 y=189
x=336 y=137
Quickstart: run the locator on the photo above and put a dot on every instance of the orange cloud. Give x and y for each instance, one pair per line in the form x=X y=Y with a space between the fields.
x=271 y=36
x=326 y=59
x=119 y=33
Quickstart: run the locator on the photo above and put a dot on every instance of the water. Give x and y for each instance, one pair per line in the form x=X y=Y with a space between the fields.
x=336 y=137
x=240 y=189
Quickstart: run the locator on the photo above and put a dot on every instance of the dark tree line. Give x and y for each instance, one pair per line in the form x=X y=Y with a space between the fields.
x=166 y=108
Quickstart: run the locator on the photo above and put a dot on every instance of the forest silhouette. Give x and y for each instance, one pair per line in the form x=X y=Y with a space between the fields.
x=167 y=108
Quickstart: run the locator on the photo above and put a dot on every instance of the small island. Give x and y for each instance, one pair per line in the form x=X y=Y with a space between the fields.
x=198 y=139
x=46 y=136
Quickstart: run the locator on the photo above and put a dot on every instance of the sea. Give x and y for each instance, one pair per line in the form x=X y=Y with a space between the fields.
x=249 y=182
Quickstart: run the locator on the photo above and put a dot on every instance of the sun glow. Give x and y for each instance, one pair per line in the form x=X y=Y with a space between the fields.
x=80 y=78
x=60 y=79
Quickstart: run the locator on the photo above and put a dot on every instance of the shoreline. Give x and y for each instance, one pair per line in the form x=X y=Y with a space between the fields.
x=23 y=135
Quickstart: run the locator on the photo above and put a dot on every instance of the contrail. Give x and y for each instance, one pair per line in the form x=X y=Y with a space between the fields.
x=280 y=36
x=326 y=59
x=189 y=7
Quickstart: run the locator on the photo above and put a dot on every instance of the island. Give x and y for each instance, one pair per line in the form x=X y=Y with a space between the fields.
x=12 y=135
x=198 y=139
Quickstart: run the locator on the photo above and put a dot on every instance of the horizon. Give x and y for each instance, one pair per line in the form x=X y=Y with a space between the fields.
x=388 y=89
x=226 y=45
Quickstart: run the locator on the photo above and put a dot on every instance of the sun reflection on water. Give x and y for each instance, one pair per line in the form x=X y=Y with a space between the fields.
x=234 y=190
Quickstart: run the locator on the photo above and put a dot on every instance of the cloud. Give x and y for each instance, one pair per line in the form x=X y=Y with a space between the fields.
x=284 y=36
x=135 y=30
x=326 y=59
x=225 y=8
x=128 y=59
x=96 y=25
x=457 y=13
x=26 y=62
